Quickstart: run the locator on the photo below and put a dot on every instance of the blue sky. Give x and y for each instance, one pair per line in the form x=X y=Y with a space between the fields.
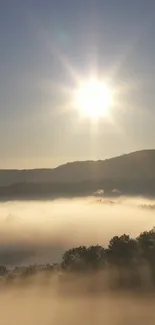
x=41 y=43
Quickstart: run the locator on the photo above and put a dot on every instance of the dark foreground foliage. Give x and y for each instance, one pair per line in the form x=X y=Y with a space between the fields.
x=125 y=263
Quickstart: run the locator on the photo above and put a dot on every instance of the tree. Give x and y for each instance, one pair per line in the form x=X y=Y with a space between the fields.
x=74 y=258
x=146 y=241
x=95 y=257
x=3 y=270
x=82 y=258
x=122 y=250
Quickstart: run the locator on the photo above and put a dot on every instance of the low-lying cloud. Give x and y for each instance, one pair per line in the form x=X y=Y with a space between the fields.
x=40 y=231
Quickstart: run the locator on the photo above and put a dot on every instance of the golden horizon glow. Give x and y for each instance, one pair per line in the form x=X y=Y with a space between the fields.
x=93 y=99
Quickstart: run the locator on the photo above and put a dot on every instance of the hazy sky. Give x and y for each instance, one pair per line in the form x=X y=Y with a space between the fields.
x=43 y=45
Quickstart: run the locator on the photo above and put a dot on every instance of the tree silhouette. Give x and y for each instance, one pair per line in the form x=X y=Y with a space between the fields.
x=81 y=258
x=122 y=250
x=127 y=258
x=95 y=257
x=146 y=241
x=3 y=270
x=74 y=258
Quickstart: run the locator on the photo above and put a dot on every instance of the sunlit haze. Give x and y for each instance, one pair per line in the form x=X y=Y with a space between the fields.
x=49 y=53
x=77 y=162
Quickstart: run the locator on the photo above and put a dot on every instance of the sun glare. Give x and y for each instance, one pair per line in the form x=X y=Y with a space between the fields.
x=93 y=99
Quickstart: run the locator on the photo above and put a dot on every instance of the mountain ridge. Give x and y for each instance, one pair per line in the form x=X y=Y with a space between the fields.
x=78 y=161
x=135 y=165
x=130 y=174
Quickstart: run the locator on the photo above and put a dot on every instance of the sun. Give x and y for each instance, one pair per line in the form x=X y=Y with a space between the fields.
x=93 y=99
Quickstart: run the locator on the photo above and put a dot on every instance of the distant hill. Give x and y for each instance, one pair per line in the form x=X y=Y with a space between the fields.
x=135 y=170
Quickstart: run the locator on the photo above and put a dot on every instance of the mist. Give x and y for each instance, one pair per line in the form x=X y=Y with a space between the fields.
x=40 y=231
x=36 y=304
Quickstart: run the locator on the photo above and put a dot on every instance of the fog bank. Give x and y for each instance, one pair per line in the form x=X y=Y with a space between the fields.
x=40 y=231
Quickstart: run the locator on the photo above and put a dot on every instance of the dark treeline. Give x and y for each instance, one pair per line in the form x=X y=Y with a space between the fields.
x=132 y=260
x=121 y=251
x=130 y=263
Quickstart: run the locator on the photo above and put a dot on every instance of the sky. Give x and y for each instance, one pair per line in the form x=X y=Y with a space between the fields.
x=44 y=46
